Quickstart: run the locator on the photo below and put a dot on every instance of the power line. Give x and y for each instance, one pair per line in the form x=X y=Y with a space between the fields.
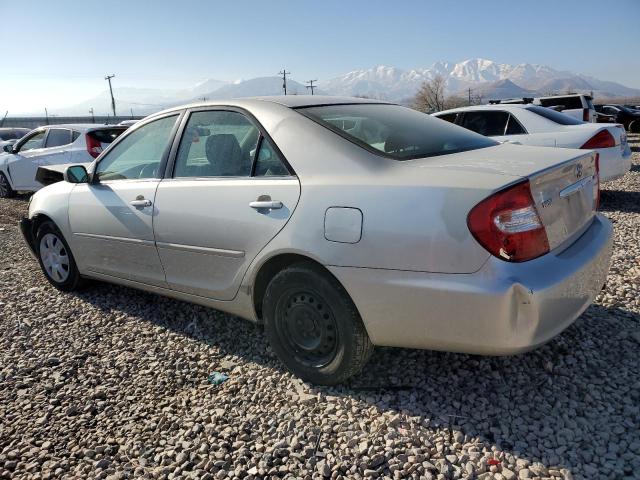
x=113 y=102
x=284 y=74
x=311 y=85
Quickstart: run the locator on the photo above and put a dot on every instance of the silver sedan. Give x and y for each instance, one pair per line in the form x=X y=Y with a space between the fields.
x=339 y=224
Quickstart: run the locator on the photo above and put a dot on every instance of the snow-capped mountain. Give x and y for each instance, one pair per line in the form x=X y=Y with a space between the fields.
x=486 y=78
x=398 y=84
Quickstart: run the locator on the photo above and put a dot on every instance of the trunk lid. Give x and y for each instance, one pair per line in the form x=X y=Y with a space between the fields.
x=561 y=179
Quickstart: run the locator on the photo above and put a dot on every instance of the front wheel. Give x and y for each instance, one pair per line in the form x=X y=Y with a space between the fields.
x=313 y=326
x=55 y=258
x=5 y=187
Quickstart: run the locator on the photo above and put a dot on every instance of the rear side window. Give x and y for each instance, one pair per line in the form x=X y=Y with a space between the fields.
x=556 y=117
x=268 y=163
x=487 y=123
x=58 y=137
x=395 y=132
x=449 y=117
x=569 y=103
x=107 y=135
x=514 y=127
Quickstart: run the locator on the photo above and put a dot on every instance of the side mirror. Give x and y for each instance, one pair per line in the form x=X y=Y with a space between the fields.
x=8 y=148
x=76 y=174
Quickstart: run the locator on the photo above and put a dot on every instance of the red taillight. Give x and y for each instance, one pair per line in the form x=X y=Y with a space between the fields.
x=602 y=139
x=93 y=145
x=507 y=224
x=585 y=114
x=596 y=183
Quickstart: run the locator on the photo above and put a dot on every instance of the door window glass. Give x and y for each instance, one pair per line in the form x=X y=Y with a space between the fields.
x=514 y=127
x=216 y=144
x=449 y=117
x=58 y=137
x=486 y=123
x=35 y=141
x=139 y=154
x=268 y=163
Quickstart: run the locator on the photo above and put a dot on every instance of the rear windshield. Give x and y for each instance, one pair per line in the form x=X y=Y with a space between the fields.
x=107 y=135
x=569 y=103
x=12 y=134
x=554 y=116
x=395 y=132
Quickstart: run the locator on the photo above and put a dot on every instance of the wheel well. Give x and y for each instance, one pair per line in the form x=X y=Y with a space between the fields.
x=270 y=269
x=38 y=220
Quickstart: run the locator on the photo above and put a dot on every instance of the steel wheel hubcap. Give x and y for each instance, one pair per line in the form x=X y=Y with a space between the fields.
x=308 y=328
x=55 y=257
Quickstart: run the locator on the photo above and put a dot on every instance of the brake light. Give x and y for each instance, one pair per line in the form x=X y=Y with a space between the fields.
x=585 y=114
x=602 y=139
x=596 y=184
x=94 y=147
x=507 y=224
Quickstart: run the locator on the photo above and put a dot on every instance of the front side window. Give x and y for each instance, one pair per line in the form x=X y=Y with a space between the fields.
x=486 y=123
x=140 y=154
x=217 y=143
x=395 y=132
x=58 y=137
x=34 y=141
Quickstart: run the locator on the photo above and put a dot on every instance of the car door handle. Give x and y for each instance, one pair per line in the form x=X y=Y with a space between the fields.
x=140 y=203
x=266 y=204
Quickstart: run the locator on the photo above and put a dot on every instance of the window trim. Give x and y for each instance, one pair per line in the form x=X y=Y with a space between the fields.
x=93 y=177
x=170 y=166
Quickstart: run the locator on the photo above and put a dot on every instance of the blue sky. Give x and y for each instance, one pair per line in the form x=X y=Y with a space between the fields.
x=56 y=52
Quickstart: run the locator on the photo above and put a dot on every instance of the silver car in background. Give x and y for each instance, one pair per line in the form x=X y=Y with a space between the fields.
x=339 y=224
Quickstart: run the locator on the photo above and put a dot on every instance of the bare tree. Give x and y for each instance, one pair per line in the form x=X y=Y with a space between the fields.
x=431 y=98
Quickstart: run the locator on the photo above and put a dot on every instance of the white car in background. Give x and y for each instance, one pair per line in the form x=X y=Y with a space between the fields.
x=528 y=124
x=51 y=145
x=9 y=136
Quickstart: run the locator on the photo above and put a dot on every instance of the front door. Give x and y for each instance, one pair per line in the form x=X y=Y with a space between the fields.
x=229 y=195
x=112 y=217
x=23 y=164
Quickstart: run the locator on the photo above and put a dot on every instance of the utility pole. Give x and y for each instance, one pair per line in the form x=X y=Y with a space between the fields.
x=204 y=99
x=4 y=118
x=311 y=85
x=131 y=113
x=93 y=118
x=113 y=102
x=46 y=115
x=284 y=74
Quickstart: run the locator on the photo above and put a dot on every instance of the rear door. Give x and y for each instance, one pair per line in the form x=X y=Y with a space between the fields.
x=22 y=166
x=112 y=217
x=230 y=192
x=57 y=145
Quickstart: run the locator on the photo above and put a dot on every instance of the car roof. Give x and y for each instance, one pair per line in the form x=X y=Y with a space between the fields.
x=291 y=101
x=81 y=126
x=500 y=106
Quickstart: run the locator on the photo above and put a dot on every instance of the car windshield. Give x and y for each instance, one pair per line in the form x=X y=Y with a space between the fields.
x=394 y=131
x=556 y=117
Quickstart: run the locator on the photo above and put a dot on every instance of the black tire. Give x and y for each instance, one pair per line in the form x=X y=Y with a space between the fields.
x=72 y=280
x=5 y=187
x=313 y=325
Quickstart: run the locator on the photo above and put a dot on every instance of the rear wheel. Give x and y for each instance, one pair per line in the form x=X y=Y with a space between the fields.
x=313 y=326
x=5 y=187
x=56 y=259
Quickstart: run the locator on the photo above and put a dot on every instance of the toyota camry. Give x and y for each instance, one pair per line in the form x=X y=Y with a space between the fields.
x=338 y=224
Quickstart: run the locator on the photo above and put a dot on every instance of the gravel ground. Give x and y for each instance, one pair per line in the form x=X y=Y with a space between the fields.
x=112 y=383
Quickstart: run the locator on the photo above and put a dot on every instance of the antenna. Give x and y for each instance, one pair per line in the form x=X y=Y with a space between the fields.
x=311 y=85
x=284 y=74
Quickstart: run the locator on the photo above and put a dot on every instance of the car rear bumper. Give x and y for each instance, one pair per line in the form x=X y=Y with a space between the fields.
x=614 y=163
x=504 y=308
